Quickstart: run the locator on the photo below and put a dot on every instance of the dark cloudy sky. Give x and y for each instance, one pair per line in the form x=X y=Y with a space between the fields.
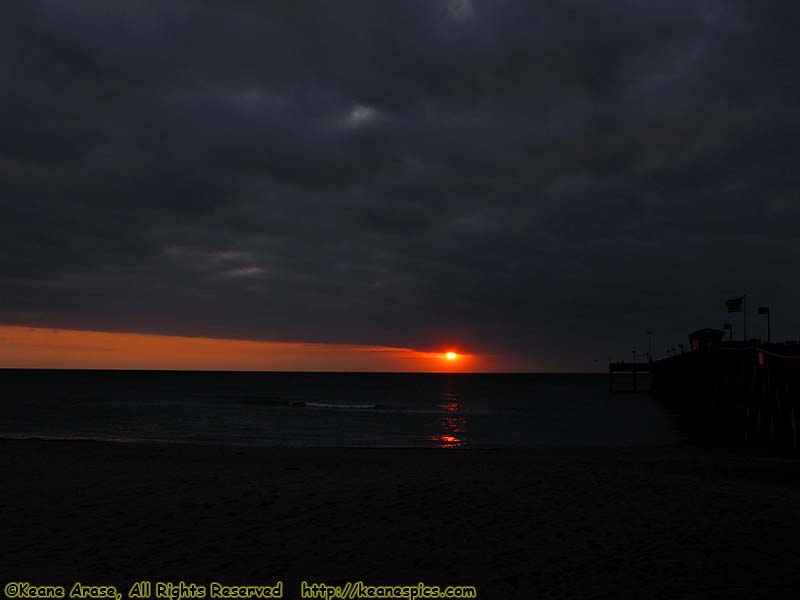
x=541 y=180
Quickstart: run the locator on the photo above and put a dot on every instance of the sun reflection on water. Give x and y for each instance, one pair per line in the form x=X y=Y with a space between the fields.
x=452 y=424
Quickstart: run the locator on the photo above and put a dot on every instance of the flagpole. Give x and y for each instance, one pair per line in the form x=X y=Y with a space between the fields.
x=769 y=326
x=744 y=317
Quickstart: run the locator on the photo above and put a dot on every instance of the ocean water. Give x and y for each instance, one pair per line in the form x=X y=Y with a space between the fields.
x=329 y=409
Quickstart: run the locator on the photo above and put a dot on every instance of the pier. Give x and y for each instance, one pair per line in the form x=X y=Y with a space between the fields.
x=734 y=393
x=631 y=370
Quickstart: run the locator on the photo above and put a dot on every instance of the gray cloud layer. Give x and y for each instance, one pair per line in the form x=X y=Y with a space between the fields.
x=541 y=180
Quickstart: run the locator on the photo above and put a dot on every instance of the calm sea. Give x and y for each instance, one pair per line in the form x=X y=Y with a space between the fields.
x=328 y=409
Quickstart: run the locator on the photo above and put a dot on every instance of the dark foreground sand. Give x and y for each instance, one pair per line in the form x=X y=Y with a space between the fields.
x=639 y=523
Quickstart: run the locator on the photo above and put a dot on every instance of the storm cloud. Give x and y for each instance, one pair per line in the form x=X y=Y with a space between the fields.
x=544 y=181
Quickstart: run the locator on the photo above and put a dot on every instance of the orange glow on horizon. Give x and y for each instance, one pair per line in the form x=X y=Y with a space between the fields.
x=33 y=347
x=451 y=356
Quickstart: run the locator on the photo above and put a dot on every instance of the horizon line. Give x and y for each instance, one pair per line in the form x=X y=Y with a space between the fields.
x=312 y=372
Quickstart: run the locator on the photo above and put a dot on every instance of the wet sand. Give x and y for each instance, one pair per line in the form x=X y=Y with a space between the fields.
x=596 y=523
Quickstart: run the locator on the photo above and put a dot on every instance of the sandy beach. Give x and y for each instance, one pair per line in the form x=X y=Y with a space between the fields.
x=675 y=522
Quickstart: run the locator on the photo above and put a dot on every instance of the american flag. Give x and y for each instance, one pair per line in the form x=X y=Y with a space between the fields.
x=734 y=304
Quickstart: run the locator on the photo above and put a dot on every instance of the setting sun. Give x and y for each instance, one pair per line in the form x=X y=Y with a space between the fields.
x=451 y=356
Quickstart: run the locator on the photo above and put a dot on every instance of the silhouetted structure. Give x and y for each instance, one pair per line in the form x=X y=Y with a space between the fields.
x=743 y=391
x=734 y=392
x=704 y=339
x=630 y=368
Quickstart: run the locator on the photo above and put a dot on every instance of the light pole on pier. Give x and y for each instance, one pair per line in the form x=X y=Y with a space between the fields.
x=764 y=310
